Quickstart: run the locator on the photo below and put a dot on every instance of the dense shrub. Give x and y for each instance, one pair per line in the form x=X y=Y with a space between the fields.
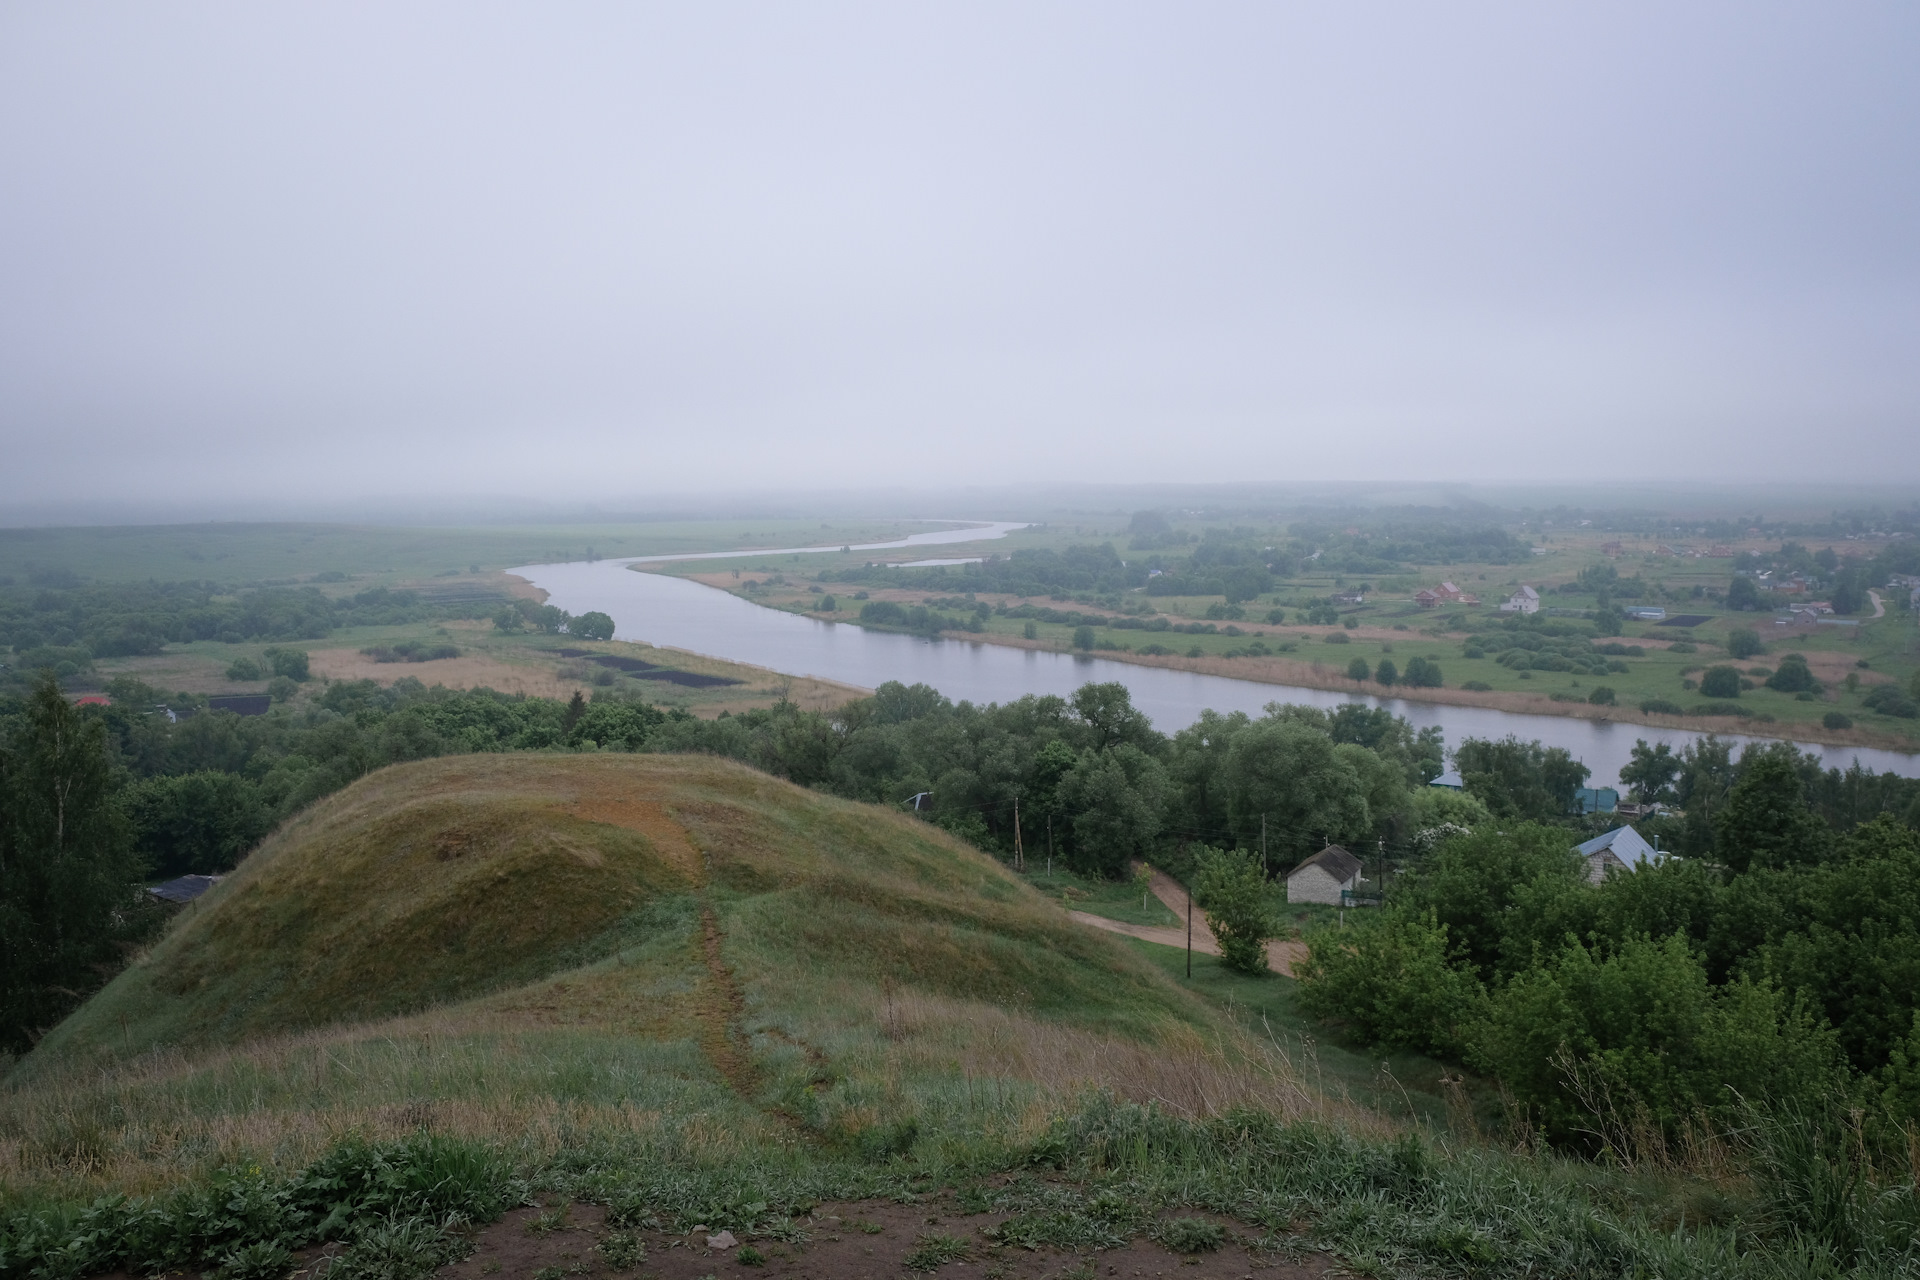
x=1720 y=682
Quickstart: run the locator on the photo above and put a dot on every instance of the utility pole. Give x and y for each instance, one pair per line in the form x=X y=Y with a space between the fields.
x=1263 y=846
x=1189 y=933
x=1049 y=846
x=1019 y=855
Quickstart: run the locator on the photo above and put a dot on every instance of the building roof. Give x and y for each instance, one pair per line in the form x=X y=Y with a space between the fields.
x=1451 y=778
x=1624 y=843
x=1525 y=593
x=1334 y=860
x=184 y=889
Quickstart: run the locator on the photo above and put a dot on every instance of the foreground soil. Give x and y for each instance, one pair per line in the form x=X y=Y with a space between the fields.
x=867 y=1240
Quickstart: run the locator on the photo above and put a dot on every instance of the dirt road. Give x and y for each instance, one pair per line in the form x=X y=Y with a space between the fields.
x=1282 y=955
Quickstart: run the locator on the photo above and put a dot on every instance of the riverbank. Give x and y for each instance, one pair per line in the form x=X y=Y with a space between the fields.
x=1329 y=674
x=1307 y=674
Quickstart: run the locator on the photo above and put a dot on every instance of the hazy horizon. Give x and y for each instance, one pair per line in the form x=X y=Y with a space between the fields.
x=327 y=257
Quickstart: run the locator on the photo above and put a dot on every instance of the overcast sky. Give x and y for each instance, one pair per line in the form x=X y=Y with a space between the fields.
x=597 y=250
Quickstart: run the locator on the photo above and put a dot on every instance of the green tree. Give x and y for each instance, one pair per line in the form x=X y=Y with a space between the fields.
x=1742 y=594
x=1294 y=776
x=1422 y=673
x=1766 y=821
x=1516 y=779
x=1232 y=890
x=1791 y=676
x=592 y=625
x=1721 y=682
x=1116 y=798
x=1083 y=637
x=291 y=663
x=1650 y=772
x=1744 y=642
x=69 y=878
x=196 y=823
x=1386 y=672
x=1359 y=670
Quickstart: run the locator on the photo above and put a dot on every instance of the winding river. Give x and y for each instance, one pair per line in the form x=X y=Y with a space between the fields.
x=677 y=613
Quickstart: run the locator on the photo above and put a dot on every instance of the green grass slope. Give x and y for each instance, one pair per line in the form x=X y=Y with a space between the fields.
x=524 y=947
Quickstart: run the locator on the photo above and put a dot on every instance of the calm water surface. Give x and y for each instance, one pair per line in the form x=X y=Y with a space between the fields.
x=686 y=615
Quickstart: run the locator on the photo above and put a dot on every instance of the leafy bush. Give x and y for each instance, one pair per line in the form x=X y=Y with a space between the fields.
x=1386 y=672
x=1602 y=696
x=1744 y=642
x=1837 y=720
x=1423 y=673
x=1339 y=637
x=1232 y=890
x=1661 y=707
x=290 y=663
x=1792 y=676
x=1394 y=983
x=1889 y=701
x=243 y=669
x=1596 y=1042
x=1720 y=682
x=1359 y=670
x=1478 y=686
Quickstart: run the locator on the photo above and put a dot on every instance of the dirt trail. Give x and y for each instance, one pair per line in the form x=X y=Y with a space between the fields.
x=722 y=1009
x=1879 y=609
x=1282 y=954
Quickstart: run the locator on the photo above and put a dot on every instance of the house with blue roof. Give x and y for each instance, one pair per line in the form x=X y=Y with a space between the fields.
x=1621 y=847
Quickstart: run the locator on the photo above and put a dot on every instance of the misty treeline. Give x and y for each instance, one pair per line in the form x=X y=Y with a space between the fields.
x=60 y=622
x=1238 y=563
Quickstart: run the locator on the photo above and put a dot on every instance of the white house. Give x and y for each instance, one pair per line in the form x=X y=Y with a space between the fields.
x=1324 y=876
x=1525 y=600
x=1620 y=847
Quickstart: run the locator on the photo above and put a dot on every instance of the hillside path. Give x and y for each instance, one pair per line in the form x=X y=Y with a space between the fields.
x=1282 y=954
x=1879 y=609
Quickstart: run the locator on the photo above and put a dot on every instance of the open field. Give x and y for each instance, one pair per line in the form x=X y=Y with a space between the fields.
x=528 y=664
x=1848 y=660
x=383 y=555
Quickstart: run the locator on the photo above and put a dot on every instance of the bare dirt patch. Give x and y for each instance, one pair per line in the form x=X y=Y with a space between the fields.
x=866 y=1240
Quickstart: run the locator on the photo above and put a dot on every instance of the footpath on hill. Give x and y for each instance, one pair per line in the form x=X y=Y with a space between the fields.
x=1282 y=954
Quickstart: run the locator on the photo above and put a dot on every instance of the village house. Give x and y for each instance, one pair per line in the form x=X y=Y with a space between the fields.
x=1621 y=847
x=1612 y=549
x=1525 y=600
x=1325 y=877
x=1445 y=593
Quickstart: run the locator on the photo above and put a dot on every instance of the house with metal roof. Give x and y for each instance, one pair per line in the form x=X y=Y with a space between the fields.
x=183 y=889
x=1621 y=847
x=1324 y=877
x=1525 y=600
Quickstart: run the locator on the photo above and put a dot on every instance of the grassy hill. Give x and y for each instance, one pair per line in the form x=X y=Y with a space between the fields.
x=505 y=946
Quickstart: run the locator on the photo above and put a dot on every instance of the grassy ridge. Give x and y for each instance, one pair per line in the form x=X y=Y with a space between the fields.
x=514 y=948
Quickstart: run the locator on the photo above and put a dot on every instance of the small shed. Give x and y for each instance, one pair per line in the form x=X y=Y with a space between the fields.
x=1596 y=799
x=1324 y=877
x=1620 y=847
